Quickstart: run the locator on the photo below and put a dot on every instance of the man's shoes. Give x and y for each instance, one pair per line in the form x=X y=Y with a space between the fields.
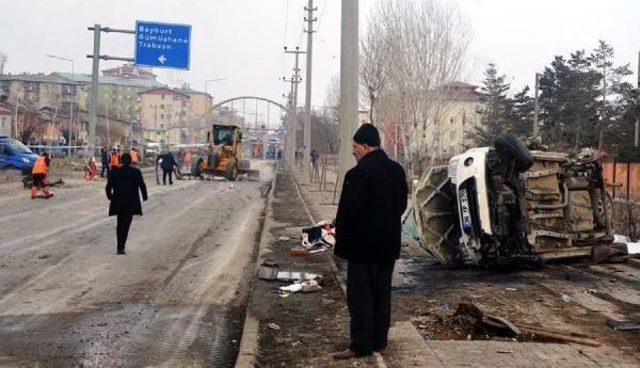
x=121 y=252
x=345 y=355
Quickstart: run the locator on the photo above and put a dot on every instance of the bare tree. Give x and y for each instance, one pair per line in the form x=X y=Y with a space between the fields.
x=332 y=99
x=374 y=58
x=423 y=45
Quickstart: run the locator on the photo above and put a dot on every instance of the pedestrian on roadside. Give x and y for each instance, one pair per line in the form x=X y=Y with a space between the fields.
x=186 y=160
x=104 y=156
x=134 y=157
x=123 y=191
x=167 y=165
x=368 y=225
x=315 y=173
x=114 y=159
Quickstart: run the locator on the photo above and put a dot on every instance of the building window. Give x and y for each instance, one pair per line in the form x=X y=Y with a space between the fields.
x=161 y=116
x=162 y=97
x=162 y=107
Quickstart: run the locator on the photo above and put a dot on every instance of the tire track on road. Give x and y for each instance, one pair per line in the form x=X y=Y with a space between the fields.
x=73 y=227
x=36 y=278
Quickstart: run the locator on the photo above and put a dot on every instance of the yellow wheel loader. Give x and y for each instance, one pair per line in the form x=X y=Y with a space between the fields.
x=225 y=154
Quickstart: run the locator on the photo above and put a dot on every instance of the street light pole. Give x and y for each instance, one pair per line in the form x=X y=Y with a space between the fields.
x=72 y=105
x=212 y=80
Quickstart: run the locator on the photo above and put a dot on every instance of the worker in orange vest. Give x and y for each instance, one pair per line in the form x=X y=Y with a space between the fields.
x=91 y=169
x=39 y=175
x=134 y=157
x=114 y=159
x=186 y=160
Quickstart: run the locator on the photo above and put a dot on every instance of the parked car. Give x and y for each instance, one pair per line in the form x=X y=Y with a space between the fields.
x=15 y=155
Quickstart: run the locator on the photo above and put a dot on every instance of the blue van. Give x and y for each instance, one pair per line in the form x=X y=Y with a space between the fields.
x=15 y=155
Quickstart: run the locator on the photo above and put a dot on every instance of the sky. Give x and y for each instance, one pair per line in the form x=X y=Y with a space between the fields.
x=242 y=40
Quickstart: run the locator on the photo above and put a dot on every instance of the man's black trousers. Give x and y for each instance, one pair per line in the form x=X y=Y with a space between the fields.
x=122 y=230
x=369 y=300
x=105 y=167
x=164 y=176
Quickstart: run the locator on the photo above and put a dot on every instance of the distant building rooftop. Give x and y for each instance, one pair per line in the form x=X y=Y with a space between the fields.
x=86 y=79
x=68 y=78
x=163 y=90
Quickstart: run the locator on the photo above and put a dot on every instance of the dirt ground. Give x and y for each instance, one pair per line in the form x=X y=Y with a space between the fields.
x=429 y=295
x=575 y=297
x=312 y=325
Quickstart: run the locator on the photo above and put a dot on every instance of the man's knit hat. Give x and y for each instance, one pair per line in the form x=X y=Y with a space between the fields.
x=367 y=134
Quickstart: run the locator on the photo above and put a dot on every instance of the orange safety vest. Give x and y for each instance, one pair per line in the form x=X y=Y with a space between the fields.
x=134 y=156
x=40 y=166
x=115 y=160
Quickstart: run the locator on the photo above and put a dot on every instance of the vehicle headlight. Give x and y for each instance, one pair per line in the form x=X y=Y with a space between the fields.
x=25 y=160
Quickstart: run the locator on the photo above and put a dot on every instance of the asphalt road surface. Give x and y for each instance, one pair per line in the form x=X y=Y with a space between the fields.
x=175 y=300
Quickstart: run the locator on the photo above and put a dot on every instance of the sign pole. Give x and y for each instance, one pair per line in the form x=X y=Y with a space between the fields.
x=93 y=107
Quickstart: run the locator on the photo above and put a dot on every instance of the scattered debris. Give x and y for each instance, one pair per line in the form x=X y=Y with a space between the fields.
x=566 y=298
x=284 y=238
x=618 y=238
x=511 y=289
x=624 y=325
x=518 y=328
x=319 y=238
x=633 y=248
x=295 y=276
x=298 y=251
x=293 y=288
x=268 y=270
x=603 y=253
x=273 y=326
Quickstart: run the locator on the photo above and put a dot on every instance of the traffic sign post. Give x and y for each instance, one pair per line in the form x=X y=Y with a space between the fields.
x=160 y=45
x=163 y=45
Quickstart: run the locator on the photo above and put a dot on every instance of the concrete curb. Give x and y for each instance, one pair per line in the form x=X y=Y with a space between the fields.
x=248 y=351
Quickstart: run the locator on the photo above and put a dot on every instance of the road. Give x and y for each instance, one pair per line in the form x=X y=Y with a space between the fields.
x=176 y=299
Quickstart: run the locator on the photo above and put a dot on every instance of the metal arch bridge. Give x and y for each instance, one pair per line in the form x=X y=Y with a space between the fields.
x=247 y=125
x=219 y=104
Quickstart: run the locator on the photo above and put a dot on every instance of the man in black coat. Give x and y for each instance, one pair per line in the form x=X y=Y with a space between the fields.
x=122 y=189
x=104 y=159
x=368 y=226
x=167 y=165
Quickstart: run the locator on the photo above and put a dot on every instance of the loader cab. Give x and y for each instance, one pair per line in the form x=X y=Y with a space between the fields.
x=227 y=135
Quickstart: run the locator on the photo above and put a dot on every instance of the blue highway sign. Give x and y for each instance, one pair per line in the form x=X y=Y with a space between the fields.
x=163 y=45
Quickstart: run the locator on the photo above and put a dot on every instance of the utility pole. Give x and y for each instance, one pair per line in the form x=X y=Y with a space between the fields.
x=536 y=106
x=285 y=123
x=307 y=105
x=294 y=106
x=348 y=84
